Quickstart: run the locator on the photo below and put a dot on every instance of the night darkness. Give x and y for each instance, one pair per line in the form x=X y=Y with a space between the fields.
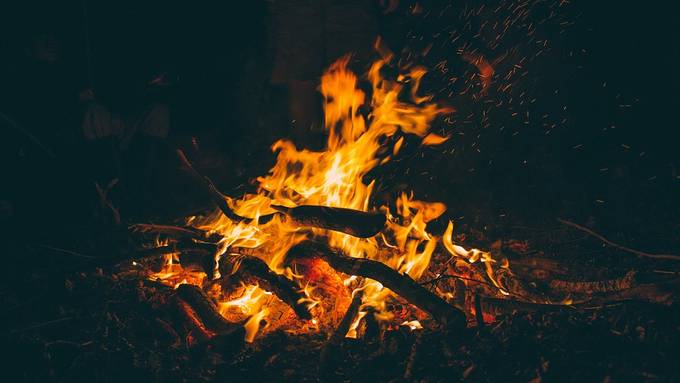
x=578 y=123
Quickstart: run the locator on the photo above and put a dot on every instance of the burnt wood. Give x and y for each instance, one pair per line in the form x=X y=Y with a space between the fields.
x=209 y=189
x=247 y=267
x=205 y=309
x=329 y=351
x=353 y=222
x=177 y=232
x=401 y=284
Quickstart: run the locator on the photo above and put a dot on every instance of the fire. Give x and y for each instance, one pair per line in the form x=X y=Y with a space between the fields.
x=358 y=141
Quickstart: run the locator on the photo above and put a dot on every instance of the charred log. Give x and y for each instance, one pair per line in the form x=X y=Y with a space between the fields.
x=590 y=287
x=329 y=351
x=206 y=310
x=353 y=222
x=402 y=285
x=189 y=319
x=176 y=232
x=246 y=267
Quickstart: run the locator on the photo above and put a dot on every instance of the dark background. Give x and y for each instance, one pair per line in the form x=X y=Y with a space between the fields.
x=588 y=133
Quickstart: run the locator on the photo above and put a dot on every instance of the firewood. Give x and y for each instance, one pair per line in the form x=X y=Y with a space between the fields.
x=225 y=342
x=210 y=190
x=329 y=351
x=353 y=222
x=247 y=267
x=400 y=284
x=176 y=232
x=199 y=260
x=189 y=319
x=177 y=247
x=590 y=287
x=205 y=309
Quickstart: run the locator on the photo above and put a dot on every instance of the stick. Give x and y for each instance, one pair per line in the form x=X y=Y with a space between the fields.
x=209 y=189
x=402 y=285
x=175 y=231
x=353 y=222
x=247 y=266
x=616 y=245
x=205 y=309
x=179 y=247
x=328 y=353
x=590 y=287
x=191 y=322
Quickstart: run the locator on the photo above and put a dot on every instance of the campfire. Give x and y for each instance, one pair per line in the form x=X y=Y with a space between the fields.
x=313 y=249
x=473 y=192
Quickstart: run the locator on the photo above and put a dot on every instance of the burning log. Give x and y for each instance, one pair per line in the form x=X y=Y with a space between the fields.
x=353 y=222
x=206 y=310
x=250 y=267
x=205 y=324
x=328 y=353
x=403 y=285
x=191 y=322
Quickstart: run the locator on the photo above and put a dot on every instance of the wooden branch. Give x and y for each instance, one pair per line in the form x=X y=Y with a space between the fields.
x=329 y=351
x=205 y=309
x=247 y=267
x=617 y=246
x=179 y=247
x=658 y=293
x=590 y=287
x=177 y=232
x=400 y=284
x=189 y=319
x=210 y=190
x=353 y=222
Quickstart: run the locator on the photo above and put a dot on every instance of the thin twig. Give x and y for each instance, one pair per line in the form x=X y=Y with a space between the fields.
x=68 y=252
x=43 y=324
x=616 y=245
